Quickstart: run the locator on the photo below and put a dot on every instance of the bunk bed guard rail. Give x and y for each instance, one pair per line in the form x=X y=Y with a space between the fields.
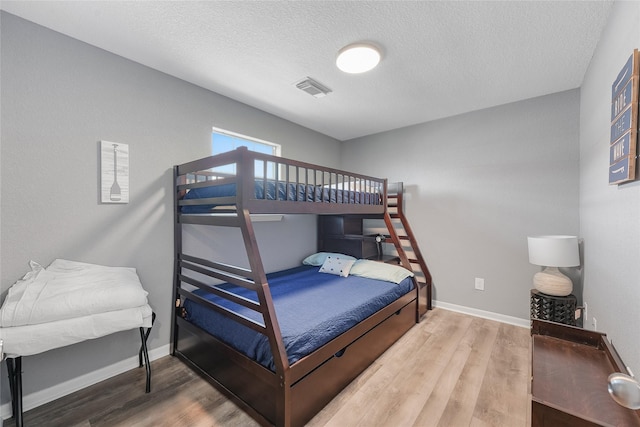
x=261 y=183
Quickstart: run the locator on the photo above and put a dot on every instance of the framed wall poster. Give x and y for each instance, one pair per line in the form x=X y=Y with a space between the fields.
x=623 y=140
x=114 y=172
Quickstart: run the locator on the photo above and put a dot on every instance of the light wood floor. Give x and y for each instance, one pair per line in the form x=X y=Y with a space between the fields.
x=450 y=370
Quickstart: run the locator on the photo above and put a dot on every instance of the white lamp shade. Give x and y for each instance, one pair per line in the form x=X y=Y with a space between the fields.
x=554 y=251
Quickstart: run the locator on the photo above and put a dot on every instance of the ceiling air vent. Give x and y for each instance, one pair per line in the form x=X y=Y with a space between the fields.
x=312 y=87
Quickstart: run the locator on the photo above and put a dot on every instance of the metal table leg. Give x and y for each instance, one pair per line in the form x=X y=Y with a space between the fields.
x=14 y=367
x=144 y=353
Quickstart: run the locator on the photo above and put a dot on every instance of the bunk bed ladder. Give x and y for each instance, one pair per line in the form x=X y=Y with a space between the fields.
x=407 y=247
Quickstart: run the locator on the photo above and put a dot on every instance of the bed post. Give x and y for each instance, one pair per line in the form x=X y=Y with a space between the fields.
x=245 y=169
x=283 y=401
x=177 y=251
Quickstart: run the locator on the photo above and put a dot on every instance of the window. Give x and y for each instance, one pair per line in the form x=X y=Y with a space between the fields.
x=222 y=140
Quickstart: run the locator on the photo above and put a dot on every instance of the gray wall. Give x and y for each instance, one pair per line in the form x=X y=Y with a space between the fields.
x=610 y=214
x=477 y=185
x=59 y=98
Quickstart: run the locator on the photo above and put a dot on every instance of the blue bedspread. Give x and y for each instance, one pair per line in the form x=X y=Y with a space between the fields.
x=292 y=192
x=312 y=308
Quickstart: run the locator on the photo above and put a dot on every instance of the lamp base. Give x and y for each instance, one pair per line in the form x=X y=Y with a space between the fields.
x=551 y=282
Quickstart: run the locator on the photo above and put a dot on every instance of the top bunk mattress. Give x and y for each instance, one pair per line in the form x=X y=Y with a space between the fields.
x=272 y=190
x=312 y=308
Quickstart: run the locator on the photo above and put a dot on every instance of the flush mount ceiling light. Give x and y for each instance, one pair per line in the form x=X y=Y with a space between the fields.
x=358 y=58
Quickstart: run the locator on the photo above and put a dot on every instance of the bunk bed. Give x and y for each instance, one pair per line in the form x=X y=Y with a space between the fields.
x=218 y=306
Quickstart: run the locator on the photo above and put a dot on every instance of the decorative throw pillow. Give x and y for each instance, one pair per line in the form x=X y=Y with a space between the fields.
x=337 y=265
x=319 y=258
x=380 y=271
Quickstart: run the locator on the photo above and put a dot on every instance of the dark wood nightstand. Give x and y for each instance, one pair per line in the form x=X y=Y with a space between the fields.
x=553 y=308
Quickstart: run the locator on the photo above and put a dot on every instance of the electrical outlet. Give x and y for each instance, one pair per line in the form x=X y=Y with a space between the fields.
x=585 y=316
x=594 y=322
x=479 y=284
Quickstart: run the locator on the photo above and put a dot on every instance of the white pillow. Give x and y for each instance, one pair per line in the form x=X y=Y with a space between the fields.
x=380 y=271
x=319 y=258
x=337 y=265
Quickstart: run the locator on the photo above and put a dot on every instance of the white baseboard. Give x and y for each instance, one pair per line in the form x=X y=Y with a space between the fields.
x=516 y=321
x=41 y=397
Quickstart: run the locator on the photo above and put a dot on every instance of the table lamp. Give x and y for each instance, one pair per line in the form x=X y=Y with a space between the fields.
x=552 y=252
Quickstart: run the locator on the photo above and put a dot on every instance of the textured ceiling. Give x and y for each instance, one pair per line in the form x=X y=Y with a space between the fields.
x=440 y=58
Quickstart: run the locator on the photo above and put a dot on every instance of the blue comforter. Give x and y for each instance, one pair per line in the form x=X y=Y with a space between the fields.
x=292 y=192
x=312 y=308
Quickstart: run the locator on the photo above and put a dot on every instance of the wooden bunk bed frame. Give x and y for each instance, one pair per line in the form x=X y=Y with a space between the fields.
x=294 y=393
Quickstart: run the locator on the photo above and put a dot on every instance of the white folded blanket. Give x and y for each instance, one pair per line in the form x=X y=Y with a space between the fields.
x=34 y=339
x=70 y=289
